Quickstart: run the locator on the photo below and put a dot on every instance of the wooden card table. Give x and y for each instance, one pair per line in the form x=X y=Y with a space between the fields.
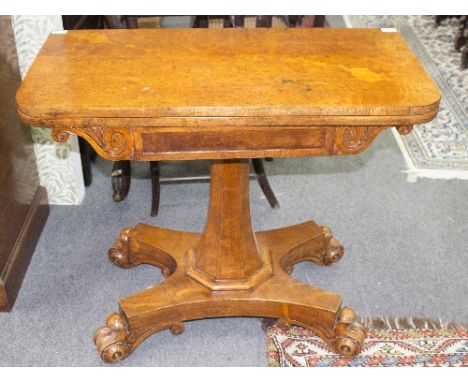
x=226 y=95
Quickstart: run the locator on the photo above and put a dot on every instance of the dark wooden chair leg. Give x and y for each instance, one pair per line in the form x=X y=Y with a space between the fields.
x=132 y=22
x=264 y=21
x=92 y=153
x=156 y=187
x=201 y=22
x=462 y=35
x=440 y=18
x=319 y=21
x=295 y=21
x=464 y=57
x=113 y=21
x=121 y=175
x=264 y=184
x=227 y=23
x=237 y=21
x=85 y=161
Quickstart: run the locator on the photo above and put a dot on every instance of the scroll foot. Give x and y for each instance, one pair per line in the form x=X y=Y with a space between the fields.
x=118 y=253
x=111 y=340
x=333 y=250
x=349 y=334
x=304 y=242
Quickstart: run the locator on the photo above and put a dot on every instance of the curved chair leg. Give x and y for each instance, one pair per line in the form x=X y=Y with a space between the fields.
x=156 y=187
x=85 y=161
x=264 y=184
x=258 y=168
x=121 y=173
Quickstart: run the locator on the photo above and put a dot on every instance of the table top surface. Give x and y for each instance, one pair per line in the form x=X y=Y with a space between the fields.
x=154 y=73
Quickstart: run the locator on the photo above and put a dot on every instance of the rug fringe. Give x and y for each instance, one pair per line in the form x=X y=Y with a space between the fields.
x=397 y=323
x=393 y=323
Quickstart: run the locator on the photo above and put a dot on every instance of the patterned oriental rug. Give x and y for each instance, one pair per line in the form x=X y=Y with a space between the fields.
x=438 y=149
x=389 y=342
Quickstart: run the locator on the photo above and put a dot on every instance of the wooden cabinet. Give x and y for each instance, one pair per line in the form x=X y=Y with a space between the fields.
x=23 y=203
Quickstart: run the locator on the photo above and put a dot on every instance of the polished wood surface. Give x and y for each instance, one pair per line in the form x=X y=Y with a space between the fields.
x=23 y=207
x=217 y=94
x=228 y=270
x=227 y=95
x=227 y=256
x=156 y=73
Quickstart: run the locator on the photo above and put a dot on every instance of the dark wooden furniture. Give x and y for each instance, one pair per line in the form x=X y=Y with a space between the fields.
x=314 y=92
x=263 y=21
x=461 y=39
x=23 y=208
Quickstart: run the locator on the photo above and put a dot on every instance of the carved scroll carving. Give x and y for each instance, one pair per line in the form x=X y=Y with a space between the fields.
x=112 y=339
x=124 y=256
x=349 y=334
x=321 y=247
x=118 y=253
x=354 y=139
x=404 y=129
x=110 y=142
x=115 y=342
x=333 y=250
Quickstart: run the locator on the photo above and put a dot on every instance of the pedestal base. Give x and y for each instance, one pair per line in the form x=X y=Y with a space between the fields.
x=180 y=297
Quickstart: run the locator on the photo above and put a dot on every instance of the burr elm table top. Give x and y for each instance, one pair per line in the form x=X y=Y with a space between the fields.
x=317 y=75
x=226 y=95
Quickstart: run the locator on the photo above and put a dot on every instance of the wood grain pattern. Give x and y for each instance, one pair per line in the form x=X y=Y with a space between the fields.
x=259 y=93
x=226 y=95
x=182 y=143
x=109 y=142
x=221 y=122
x=14 y=262
x=237 y=72
x=219 y=143
x=180 y=297
x=354 y=139
x=227 y=256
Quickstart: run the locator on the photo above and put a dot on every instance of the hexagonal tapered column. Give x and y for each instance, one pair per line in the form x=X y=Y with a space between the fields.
x=227 y=256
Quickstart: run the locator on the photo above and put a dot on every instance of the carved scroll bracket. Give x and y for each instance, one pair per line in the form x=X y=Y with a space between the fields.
x=354 y=139
x=112 y=143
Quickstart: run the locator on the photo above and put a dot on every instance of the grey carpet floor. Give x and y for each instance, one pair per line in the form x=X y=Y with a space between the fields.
x=405 y=255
